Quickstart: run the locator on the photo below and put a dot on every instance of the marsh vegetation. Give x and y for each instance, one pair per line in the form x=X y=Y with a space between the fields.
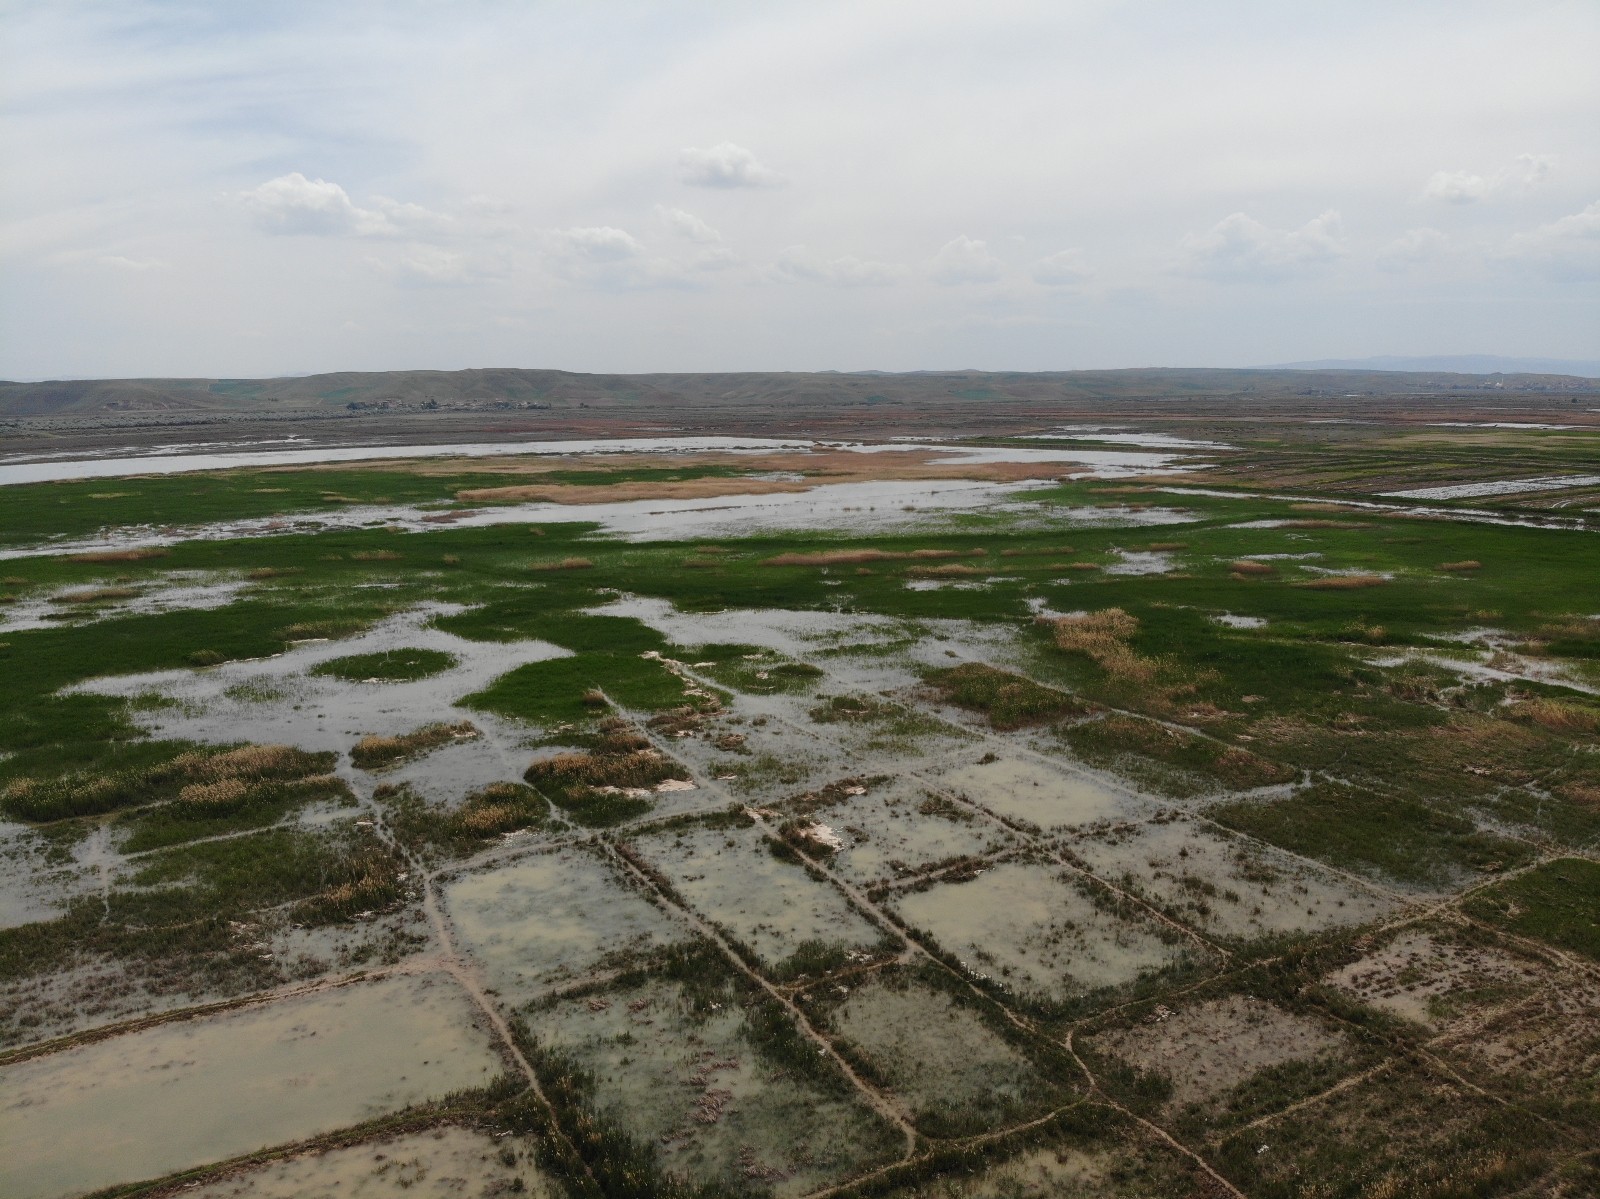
x=627 y=852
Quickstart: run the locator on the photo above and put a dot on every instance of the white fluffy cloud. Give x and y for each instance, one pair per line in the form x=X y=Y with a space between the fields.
x=688 y=226
x=725 y=165
x=1241 y=248
x=963 y=260
x=293 y=204
x=595 y=244
x=1567 y=248
x=1463 y=187
x=1062 y=269
x=798 y=264
x=1413 y=248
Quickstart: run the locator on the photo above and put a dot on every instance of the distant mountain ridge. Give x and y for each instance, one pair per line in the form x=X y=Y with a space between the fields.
x=661 y=396
x=1460 y=364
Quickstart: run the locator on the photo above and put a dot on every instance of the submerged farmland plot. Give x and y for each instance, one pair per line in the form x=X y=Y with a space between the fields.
x=1011 y=819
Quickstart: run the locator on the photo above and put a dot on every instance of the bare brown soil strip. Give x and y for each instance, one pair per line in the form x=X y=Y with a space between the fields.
x=613 y=493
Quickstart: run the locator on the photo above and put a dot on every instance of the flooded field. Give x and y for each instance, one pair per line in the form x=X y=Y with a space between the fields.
x=685 y=1075
x=787 y=817
x=442 y=1163
x=189 y=1092
x=1034 y=931
x=768 y=903
x=552 y=918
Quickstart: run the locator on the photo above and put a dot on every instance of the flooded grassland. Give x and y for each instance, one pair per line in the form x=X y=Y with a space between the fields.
x=584 y=822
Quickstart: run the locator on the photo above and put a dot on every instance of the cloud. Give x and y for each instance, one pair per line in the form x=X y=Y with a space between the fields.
x=1062 y=269
x=133 y=265
x=1457 y=187
x=725 y=165
x=964 y=261
x=1568 y=248
x=799 y=265
x=435 y=267
x=612 y=259
x=1462 y=187
x=688 y=226
x=292 y=204
x=1414 y=247
x=594 y=244
x=1241 y=248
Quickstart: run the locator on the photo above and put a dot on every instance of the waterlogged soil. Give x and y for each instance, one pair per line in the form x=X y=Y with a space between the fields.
x=1550 y=1042
x=105 y=599
x=896 y=827
x=1020 y=788
x=442 y=1163
x=1208 y=1049
x=1222 y=884
x=1062 y=1173
x=937 y=1055
x=1032 y=929
x=552 y=918
x=278 y=700
x=35 y=883
x=1430 y=978
x=772 y=905
x=690 y=1083
x=194 y=1091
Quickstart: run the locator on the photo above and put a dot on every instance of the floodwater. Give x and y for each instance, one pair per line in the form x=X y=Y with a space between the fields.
x=441 y=1163
x=895 y=828
x=552 y=917
x=53 y=469
x=187 y=590
x=690 y=1083
x=857 y=506
x=183 y=462
x=771 y=905
x=1029 y=929
x=1225 y=886
x=1502 y=487
x=31 y=887
x=1050 y=799
x=195 y=1091
x=934 y=1052
x=277 y=700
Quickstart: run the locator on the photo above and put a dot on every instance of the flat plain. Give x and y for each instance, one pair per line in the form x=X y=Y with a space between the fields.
x=1169 y=805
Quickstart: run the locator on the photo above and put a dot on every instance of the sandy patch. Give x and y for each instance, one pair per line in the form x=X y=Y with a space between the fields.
x=1416 y=975
x=1209 y=1049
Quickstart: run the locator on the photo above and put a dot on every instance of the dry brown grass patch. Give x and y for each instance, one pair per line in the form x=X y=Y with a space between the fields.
x=1343 y=583
x=96 y=595
x=1245 y=566
x=1587 y=794
x=610 y=493
x=222 y=793
x=1324 y=524
x=375 y=556
x=1466 y=564
x=118 y=555
x=1559 y=716
x=563 y=564
x=1161 y=547
x=952 y=570
x=248 y=761
x=374 y=751
x=1103 y=638
x=1080 y=566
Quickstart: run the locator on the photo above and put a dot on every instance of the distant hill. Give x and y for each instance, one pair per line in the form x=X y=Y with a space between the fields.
x=1462 y=364
x=669 y=395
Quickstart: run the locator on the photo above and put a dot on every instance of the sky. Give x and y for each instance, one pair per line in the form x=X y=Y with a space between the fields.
x=238 y=190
